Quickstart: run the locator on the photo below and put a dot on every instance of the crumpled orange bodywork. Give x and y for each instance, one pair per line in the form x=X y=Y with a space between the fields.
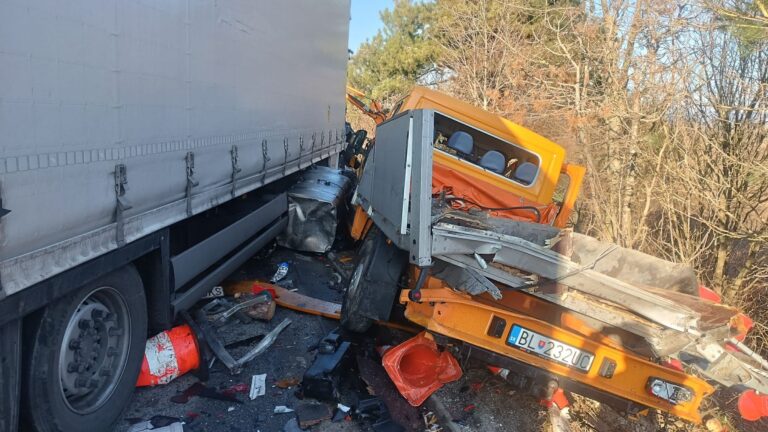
x=459 y=184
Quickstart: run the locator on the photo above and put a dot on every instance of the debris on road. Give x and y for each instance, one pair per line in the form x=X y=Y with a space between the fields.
x=201 y=390
x=282 y=270
x=302 y=303
x=158 y=423
x=418 y=368
x=217 y=346
x=167 y=355
x=282 y=409
x=310 y=414
x=261 y=310
x=237 y=388
x=287 y=383
x=147 y=426
x=322 y=378
x=375 y=378
x=244 y=304
x=258 y=386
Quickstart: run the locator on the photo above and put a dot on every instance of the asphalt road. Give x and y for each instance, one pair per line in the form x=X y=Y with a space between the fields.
x=478 y=401
x=288 y=357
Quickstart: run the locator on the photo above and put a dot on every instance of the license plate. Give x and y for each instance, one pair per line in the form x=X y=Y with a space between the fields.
x=550 y=348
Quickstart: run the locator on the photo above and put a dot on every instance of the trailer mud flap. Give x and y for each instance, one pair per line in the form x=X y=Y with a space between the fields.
x=380 y=279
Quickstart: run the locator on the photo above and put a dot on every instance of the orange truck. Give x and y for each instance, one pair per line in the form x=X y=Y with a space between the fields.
x=462 y=217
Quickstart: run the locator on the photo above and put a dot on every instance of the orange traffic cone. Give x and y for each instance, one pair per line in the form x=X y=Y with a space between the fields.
x=418 y=369
x=168 y=355
x=753 y=406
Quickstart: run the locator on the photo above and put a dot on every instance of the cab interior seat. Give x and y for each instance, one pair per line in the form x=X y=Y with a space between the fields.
x=526 y=173
x=493 y=161
x=462 y=143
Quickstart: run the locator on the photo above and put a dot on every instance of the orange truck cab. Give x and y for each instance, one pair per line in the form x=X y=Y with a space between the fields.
x=505 y=165
x=482 y=160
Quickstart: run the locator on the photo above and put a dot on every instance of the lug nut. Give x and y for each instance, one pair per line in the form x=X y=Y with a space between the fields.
x=74 y=344
x=81 y=382
x=110 y=317
x=73 y=367
x=97 y=313
x=84 y=324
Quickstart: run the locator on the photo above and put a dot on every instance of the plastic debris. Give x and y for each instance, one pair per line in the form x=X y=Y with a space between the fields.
x=310 y=414
x=282 y=409
x=175 y=427
x=752 y=405
x=158 y=423
x=230 y=409
x=287 y=383
x=282 y=270
x=258 y=386
x=343 y=407
x=418 y=368
x=321 y=380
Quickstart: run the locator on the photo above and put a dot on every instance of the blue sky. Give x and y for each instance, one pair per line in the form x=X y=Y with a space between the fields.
x=365 y=20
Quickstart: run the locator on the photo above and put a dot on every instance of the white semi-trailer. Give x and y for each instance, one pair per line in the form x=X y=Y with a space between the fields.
x=145 y=147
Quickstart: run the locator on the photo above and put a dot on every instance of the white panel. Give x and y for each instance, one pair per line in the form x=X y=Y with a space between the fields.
x=88 y=84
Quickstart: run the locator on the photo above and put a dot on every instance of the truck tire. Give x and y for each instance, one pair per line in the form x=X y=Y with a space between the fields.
x=84 y=355
x=351 y=318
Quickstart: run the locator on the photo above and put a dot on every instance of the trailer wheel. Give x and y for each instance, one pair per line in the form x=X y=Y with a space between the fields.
x=351 y=318
x=85 y=354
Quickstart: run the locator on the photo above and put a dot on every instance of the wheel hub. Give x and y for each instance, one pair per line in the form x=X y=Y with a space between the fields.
x=94 y=350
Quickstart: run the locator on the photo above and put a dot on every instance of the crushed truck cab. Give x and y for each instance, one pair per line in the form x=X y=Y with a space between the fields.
x=533 y=166
x=469 y=198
